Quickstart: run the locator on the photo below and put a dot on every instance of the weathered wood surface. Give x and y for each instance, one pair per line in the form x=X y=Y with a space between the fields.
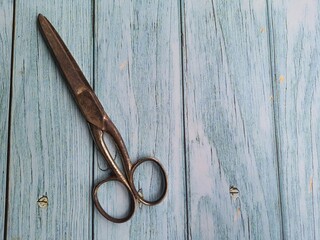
x=296 y=56
x=230 y=131
x=224 y=93
x=138 y=79
x=51 y=149
x=6 y=24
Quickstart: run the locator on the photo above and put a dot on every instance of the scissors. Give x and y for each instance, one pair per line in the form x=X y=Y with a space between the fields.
x=99 y=123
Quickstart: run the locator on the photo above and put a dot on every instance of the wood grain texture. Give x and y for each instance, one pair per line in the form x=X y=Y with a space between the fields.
x=138 y=79
x=6 y=25
x=296 y=37
x=230 y=130
x=246 y=100
x=51 y=149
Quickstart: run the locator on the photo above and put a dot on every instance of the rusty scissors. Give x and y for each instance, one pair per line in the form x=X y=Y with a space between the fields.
x=99 y=123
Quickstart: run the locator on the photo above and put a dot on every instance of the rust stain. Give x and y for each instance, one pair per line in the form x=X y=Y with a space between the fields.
x=311 y=185
x=281 y=78
x=237 y=215
x=262 y=29
x=123 y=65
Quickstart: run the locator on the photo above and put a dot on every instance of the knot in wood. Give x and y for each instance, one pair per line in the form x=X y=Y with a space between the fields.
x=43 y=202
x=234 y=192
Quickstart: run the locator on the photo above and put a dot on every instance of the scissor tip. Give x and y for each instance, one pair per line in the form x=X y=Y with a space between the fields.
x=42 y=20
x=41 y=17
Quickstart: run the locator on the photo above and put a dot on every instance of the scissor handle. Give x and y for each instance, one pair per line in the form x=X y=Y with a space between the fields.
x=129 y=169
x=164 y=181
x=132 y=191
x=102 y=210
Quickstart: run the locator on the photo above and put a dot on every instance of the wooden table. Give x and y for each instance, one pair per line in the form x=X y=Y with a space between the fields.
x=224 y=93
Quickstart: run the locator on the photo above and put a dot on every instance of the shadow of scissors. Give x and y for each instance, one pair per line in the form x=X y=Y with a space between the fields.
x=99 y=123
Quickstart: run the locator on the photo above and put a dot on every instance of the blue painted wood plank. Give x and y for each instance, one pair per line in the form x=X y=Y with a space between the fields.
x=51 y=148
x=138 y=79
x=230 y=134
x=6 y=24
x=296 y=38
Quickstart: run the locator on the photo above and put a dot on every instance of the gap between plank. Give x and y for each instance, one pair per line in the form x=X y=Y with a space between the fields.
x=9 y=122
x=183 y=58
x=93 y=12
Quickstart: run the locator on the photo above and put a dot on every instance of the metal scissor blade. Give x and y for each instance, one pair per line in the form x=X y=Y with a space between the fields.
x=86 y=99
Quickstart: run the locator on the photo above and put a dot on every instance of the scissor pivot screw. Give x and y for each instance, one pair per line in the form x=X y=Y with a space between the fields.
x=43 y=202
